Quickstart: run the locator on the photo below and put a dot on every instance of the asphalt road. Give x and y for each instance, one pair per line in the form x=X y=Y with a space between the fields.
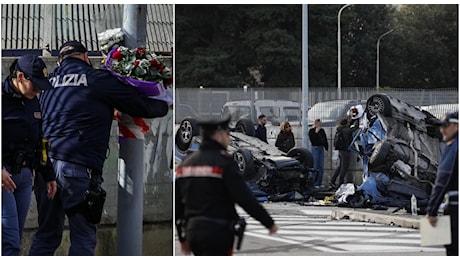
x=311 y=231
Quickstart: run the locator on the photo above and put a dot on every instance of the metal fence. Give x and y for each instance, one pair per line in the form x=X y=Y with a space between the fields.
x=209 y=101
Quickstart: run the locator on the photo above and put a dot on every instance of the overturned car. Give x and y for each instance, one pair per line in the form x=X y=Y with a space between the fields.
x=400 y=150
x=269 y=172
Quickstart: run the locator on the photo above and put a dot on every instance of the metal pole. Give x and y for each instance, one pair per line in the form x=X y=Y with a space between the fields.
x=377 y=82
x=339 y=62
x=131 y=157
x=305 y=76
x=254 y=117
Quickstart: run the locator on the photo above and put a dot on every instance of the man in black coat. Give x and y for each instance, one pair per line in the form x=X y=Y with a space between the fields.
x=342 y=142
x=208 y=185
x=261 y=130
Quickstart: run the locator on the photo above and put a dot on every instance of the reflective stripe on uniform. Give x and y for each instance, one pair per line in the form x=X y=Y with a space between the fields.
x=199 y=171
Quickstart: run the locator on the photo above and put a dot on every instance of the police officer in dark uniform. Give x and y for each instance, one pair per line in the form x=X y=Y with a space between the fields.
x=446 y=184
x=77 y=119
x=208 y=185
x=22 y=151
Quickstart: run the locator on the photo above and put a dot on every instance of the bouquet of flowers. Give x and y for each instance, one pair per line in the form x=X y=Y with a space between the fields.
x=141 y=69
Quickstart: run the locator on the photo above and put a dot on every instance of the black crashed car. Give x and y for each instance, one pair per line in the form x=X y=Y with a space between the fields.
x=262 y=165
x=400 y=150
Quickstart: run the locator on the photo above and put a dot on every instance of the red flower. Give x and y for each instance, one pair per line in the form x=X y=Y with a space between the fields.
x=117 y=55
x=169 y=81
x=140 y=53
x=136 y=63
x=154 y=63
x=157 y=65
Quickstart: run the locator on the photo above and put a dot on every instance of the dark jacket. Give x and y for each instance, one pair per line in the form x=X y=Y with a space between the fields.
x=318 y=139
x=78 y=112
x=208 y=183
x=21 y=130
x=446 y=177
x=347 y=136
x=261 y=132
x=285 y=141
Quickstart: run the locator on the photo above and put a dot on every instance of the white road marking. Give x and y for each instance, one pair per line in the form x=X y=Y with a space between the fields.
x=329 y=235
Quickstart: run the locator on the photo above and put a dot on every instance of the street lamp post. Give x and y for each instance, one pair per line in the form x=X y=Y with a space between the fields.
x=305 y=75
x=378 y=59
x=339 y=62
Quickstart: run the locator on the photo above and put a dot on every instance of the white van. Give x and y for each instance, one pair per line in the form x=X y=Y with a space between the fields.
x=276 y=111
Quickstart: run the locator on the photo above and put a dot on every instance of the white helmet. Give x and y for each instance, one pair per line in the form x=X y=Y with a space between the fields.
x=356 y=112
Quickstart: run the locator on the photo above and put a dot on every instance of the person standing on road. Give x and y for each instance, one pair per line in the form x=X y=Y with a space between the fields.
x=319 y=143
x=22 y=150
x=261 y=130
x=446 y=184
x=285 y=140
x=207 y=186
x=77 y=119
x=342 y=141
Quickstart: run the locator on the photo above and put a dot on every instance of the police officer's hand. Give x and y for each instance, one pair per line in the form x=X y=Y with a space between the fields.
x=185 y=248
x=7 y=183
x=273 y=230
x=51 y=188
x=433 y=220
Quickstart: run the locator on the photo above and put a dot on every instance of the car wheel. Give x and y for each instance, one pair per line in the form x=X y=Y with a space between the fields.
x=302 y=155
x=245 y=126
x=378 y=104
x=380 y=153
x=245 y=162
x=187 y=130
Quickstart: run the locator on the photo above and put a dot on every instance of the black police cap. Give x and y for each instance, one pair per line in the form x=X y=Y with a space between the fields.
x=71 y=47
x=34 y=68
x=450 y=117
x=214 y=124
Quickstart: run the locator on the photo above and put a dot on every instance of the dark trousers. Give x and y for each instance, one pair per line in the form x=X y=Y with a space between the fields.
x=50 y=221
x=452 y=249
x=210 y=238
x=73 y=181
x=341 y=171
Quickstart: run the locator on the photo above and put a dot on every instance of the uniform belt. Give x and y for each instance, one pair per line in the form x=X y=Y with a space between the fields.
x=220 y=221
x=16 y=163
x=93 y=171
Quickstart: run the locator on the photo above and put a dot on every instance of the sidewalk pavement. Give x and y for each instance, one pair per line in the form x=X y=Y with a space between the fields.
x=390 y=216
x=399 y=218
x=385 y=215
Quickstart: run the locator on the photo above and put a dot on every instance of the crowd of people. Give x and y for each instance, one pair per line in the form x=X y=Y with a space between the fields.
x=345 y=128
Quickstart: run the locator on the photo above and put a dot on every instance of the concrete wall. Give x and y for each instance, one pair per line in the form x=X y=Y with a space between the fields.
x=157 y=220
